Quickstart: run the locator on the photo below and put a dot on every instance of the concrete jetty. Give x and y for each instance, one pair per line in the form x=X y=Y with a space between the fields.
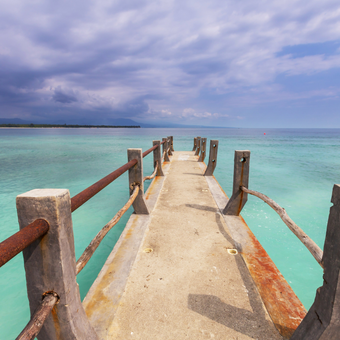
x=186 y=266
x=175 y=274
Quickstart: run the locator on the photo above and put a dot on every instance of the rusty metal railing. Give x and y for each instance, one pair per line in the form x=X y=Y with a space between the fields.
x=78 y=200
x=16 y=243
x=145 y=153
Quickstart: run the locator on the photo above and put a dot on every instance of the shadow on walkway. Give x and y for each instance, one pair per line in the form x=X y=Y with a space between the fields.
x=251 y=323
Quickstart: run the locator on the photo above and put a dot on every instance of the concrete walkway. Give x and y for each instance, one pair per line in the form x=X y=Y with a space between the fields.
x=184 y=283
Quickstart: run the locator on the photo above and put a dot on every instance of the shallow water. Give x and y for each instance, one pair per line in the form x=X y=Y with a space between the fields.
x=295 y=167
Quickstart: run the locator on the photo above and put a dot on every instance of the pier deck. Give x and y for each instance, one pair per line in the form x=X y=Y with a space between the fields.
x=171 y=276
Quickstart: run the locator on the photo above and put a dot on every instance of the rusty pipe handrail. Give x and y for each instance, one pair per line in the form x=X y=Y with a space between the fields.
x=13 y=245
x=145 y=153
x=34 y=326
x=163 y=142
x=16 y=243
x=153 y=174
x=91 y=248
x=313 y=248
x=85 y=195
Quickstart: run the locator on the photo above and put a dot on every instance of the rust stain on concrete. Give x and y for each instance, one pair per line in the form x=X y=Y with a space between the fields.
x=283 y=306
x=100 y=302
x=152 y=187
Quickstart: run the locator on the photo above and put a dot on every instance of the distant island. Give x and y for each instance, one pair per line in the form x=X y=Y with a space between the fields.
x=66 y=126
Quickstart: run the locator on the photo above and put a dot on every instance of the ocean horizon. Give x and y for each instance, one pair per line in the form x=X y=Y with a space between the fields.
x=295 y=167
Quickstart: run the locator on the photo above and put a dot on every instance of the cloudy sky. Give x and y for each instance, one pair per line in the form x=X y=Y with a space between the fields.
x=216 y=63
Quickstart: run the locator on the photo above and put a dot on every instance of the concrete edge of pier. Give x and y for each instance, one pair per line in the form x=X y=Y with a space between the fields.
x=102 y=300
x=282 y=304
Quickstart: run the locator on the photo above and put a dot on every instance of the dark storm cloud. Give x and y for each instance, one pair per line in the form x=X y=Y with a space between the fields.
x=61 y=97
x=147 y=59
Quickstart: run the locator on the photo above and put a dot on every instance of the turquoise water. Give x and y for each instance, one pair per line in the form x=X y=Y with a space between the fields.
x=295 y=167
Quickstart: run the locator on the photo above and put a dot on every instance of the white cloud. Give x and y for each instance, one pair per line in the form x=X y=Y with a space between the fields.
x=166 y=52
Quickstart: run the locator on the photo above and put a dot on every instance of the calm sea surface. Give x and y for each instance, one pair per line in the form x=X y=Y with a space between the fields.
x=295 y=167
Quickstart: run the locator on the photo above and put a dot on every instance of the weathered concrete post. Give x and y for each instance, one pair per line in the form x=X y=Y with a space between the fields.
x=157 y=157
x=323 y=318
x=169 y=146
x=136 y=178
x=212 y=158
x=172 y=143
x=50 y=264
x=198 y=146
x=165 y=150
x=203 y=149
x=241 y=177
x=195 y=144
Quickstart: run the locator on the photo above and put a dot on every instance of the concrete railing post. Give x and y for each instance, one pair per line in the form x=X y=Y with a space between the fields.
x=195 y=145
x=136 y=178
x=165 y=150
x=50 y=264
x=322 y=319
x=212 y=158
x=241 y=178
x=198 y=146
x=169 y=146
x=203 y=149
x=157 y=157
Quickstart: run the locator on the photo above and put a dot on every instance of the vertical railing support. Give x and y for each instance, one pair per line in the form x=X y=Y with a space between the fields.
x=198 y=146
x=322 y=319
x=136 y=178
x=195 y=144
x=50 y=264
x=212 y=158
x=169 y=146
x=172 y=143
x=165 y=150
x=241 y=178
x=157 y=157
x=203 y=149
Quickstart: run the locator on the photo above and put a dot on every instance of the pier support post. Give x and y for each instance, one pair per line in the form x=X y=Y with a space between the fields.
x=322 y=321
x=212 y=158
x=172 y=143
x=241 y=178
x=169 y=146
x=50 y=264
x=136 y=178
x=203 y=149
x=195 y=141
x=157 y=157
x=198 y=146
x=165 y=150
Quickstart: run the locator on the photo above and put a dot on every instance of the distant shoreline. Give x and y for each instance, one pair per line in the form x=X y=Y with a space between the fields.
x=67 y=126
